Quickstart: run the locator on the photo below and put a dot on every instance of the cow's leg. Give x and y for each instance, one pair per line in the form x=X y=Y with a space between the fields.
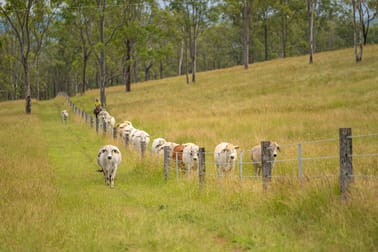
x=257 y=171
x=106 y=176
x=112 y=176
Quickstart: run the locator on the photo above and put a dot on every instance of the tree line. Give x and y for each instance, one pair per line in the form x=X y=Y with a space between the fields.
x=76 y=45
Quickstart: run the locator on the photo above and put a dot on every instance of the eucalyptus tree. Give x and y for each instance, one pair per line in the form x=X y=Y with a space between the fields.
x=29 y=21
x=9 y=65
x=369 y=12
x=100 y=34
x=128 y=36
x=193 y=16
x=77 y=23
x=358 y=28
x=247 y=9
x=311 y=5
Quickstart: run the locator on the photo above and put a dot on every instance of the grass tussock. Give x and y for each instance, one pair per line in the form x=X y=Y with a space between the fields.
x=54 y=200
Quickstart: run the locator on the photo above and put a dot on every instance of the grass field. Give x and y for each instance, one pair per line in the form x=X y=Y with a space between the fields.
x=52 y=198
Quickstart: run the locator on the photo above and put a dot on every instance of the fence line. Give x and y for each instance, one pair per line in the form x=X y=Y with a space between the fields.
x=366 y=135
x=346 y=167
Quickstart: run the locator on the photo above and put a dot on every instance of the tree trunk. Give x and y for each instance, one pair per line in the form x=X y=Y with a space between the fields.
x=181 y=58
x=147 y=70
x=28 y=105
x=102 y=55
x=161 y=69
x=127 y=70
x=266 y=39
x=357 y=31
x=194 y=56
x=310 y=13
x=247 y=13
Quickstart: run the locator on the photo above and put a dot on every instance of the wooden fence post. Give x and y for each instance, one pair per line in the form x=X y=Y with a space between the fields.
x=91 y=121
x=300 y=161
x=202 y=167
x=97 y=122
x=114 y=133
x=266 y=158
x=346 y=165
x=241 y=166
x=166 y=162
x=127 y=140
x=143 y=148
x=104 y=127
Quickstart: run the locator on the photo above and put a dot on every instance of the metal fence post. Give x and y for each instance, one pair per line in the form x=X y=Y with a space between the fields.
x=300 y=161
x=346 y=165
x=266 y=159
x=114 y=133
x=241 y=166
x=104 y=126
x=142 y=148
x=97 y=122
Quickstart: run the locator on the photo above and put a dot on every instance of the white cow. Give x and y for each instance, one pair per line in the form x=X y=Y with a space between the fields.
x=121 y=126
x=64 y=116
x=126 y=132
x=109 y=158
x=256 y=156
x=190 y=156
x=107 y=119
x=225 y=156
x=156 y=144
x=139 y=137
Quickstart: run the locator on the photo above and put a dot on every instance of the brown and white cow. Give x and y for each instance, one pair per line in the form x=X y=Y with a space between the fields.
x=177 y=154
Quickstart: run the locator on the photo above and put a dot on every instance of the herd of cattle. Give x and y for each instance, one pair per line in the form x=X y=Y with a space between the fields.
x=186 y=155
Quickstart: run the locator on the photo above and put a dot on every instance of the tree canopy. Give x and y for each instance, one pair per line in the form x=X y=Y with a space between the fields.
x=52 y=46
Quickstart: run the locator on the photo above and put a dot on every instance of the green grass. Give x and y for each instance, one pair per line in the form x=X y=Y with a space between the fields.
x=52 y=198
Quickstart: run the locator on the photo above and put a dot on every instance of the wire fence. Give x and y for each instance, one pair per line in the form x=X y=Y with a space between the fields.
x=298 y=160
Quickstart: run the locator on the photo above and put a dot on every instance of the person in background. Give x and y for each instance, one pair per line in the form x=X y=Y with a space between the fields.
x=97 y=108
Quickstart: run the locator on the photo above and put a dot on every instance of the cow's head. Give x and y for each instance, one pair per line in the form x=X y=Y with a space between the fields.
x=275 y=147
x=108 y=152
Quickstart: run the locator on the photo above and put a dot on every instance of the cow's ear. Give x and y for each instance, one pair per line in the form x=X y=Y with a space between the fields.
x=236 y=147
x=278 y=148
x=100 y=152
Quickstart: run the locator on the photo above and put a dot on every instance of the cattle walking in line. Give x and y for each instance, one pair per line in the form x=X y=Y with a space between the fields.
x=121 y=127
x=139 y=137
x=64 y=116
x=109 y=158
x=256 y=156
x=225 y=156
x=170 y=145
x=190 y=156
x=177 y=154
x=107 y=119
x=157 y=143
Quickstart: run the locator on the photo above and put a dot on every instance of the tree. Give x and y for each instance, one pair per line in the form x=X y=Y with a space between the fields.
x=247 y=6
x=369 y=15
x=311 y=4
x=18 y=14
x=358 y=30
x=29 y=21
x=195 y=18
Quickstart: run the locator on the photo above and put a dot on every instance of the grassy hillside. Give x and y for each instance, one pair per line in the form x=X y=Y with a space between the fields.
x=52 y=198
